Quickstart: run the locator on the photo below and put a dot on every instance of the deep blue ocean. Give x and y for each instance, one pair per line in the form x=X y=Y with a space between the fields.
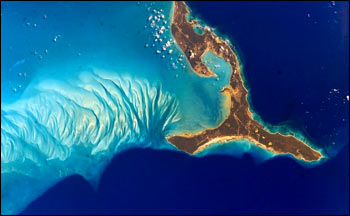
x=295 y=63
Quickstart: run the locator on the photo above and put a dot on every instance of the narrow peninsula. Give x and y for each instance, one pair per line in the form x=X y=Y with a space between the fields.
x=239 y=124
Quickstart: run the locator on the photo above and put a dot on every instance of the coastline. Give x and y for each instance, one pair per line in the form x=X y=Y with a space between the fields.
x=236 y=74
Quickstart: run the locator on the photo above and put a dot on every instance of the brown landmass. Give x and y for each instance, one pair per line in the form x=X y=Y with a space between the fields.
x=239 y=124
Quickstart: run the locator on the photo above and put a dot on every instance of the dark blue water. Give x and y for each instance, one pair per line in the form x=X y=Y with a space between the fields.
x=291 y=64
x=166 y=182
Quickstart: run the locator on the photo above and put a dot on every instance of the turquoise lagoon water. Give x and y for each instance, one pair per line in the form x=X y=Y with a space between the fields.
x=82 y=82
x=82 y=89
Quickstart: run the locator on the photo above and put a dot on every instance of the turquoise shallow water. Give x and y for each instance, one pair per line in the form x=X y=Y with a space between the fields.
x=198 y=30
x=84 y=81
x=87 y=80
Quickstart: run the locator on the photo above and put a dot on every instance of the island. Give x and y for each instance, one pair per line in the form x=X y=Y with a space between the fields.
x=239 y=124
